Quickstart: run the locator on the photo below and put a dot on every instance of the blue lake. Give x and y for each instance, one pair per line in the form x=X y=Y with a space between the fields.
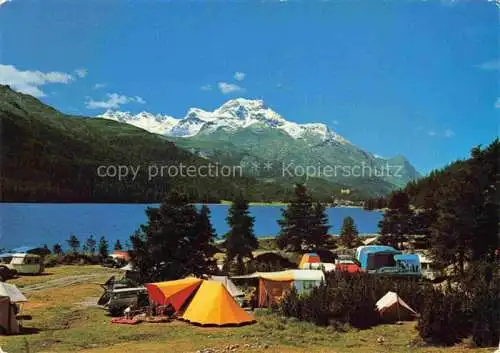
x=38 y=224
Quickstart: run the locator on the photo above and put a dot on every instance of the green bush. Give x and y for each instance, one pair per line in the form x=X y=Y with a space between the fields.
x=349 y=299
x=443 y=319
x=471 y=308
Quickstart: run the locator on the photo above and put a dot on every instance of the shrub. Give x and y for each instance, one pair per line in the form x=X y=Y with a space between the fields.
x=443 y=319
x=470 y=308
x=348 y=299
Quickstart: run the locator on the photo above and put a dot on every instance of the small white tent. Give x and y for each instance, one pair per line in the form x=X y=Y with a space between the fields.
x=11 y=291
x=10 y=296
x=392 y=308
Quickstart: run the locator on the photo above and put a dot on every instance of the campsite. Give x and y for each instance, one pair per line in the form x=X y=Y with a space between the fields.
x=65 y=319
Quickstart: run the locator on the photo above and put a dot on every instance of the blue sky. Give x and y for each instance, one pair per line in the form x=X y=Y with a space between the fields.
x=417 y=78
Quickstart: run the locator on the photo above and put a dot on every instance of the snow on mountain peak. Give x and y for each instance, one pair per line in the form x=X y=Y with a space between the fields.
x=232 y=115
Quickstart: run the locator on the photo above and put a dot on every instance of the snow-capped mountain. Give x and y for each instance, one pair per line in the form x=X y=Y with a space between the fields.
x=231 y=116
x=158 y=124
x=245 y=132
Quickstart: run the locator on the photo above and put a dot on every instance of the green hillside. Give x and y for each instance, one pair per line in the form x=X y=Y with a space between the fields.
x=52 y=157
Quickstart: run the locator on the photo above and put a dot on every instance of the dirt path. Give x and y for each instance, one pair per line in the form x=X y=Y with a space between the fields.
x=63 y=282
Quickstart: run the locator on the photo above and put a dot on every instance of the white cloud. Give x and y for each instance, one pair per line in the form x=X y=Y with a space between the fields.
x=30 y=82
x=431 y=133
x=449 y=133
x=139 y=100
x=113 y=101
x=490 y=65
x=3 y=2
x=81 y=72
x=227 y=88
x=99 y=85
x=497 y=103
x=239 y=76
x=206 y=87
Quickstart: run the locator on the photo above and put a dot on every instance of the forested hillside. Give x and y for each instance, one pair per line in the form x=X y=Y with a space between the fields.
x=48 y=156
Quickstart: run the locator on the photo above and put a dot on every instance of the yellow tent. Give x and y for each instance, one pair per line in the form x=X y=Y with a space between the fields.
x=206 y=302
x=213 y=305
x=309 y=258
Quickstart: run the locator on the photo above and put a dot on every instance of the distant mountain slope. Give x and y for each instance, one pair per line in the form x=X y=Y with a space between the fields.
x=247 y=133
x=51 y=157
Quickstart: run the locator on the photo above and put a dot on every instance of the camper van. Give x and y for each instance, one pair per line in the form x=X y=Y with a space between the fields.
x=24 y=263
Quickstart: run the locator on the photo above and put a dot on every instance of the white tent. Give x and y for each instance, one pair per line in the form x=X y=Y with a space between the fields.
x=10 y=295
x=11 y=291
x=230 y=286
x=392 y=308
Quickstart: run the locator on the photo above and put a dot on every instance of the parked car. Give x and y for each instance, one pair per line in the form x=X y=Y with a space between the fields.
x=117 y=300
x=6 y=273
x=114 y=262
x=24 y=263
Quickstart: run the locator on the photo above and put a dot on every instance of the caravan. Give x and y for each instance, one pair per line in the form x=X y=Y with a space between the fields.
x=382 y=259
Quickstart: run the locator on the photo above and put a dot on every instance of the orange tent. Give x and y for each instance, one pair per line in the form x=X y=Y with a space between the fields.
x=271 y=291
x=121 y=254
x=173 y=292
x=309 y=258
x=208 y=302
x=213 y=305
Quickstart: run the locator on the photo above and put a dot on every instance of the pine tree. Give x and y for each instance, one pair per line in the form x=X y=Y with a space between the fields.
x=164 y=248
x=396 y=222
x=103 y=248
x=73 y=243
x=466 y=227
x=296 y=222
x=57 y=249
x=203 y=246
x=318 y=235
x=118 y=245
x=91 y=244
x=349 y=233
x=240 y=240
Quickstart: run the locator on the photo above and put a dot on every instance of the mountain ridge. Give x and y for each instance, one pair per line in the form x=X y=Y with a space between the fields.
x=246 y=124
x=235 y=113
x=49 y=156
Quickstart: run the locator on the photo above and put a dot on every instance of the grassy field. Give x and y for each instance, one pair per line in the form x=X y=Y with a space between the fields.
x=64 y=320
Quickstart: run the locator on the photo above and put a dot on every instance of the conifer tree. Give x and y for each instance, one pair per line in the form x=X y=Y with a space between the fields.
x=118 y=245
x=103 y=248
x=57 y=249
x=466 y=227
x=296 y=222
x=91 y=245
x=349 y=233
x=73 y=243
x=240 y=240
x=163 y=248
x=396 y=222
x=318 y=235
x=203 y=246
